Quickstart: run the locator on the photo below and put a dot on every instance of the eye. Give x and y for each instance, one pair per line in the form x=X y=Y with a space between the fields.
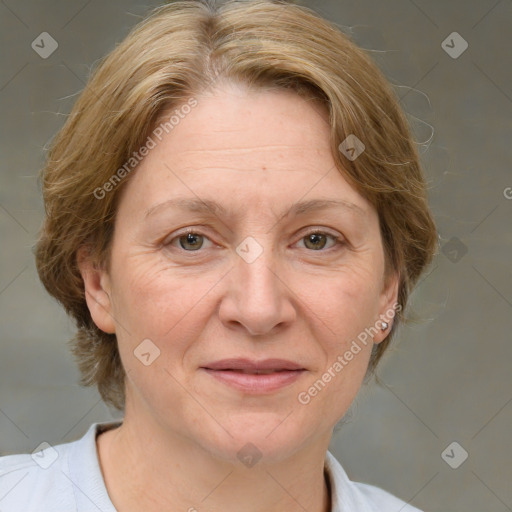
x=190 y=241
x=318 y=240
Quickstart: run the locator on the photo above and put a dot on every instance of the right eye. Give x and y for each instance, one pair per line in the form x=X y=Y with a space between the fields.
x=189 y=241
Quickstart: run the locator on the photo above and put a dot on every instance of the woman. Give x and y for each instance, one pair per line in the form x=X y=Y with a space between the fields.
x=235 y=217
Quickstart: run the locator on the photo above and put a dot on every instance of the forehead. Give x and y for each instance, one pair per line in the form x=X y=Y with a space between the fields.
x=235 y=143
x=233 y=122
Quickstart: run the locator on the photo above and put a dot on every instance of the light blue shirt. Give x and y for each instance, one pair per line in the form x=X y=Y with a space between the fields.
x=67 y=478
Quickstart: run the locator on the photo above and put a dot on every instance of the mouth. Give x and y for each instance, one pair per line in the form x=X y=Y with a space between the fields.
x=255 y=372
x=255 y=377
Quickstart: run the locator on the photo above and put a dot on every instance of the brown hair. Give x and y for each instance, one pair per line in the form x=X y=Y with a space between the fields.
x=177 y=52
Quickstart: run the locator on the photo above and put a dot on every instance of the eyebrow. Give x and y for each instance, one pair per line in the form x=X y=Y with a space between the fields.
x=208 y=206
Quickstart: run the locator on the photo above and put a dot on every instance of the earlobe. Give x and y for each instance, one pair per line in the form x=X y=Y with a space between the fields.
x=97 y=291
x=388 y=307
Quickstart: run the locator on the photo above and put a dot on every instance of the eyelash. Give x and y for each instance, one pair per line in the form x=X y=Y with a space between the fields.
x=337 y=239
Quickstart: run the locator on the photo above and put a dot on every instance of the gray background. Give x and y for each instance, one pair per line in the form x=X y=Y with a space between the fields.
x=447 y=380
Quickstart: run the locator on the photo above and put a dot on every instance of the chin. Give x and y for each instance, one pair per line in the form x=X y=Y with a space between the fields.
x=260 y=435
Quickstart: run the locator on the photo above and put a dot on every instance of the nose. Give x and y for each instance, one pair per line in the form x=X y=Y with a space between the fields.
x=258 y=299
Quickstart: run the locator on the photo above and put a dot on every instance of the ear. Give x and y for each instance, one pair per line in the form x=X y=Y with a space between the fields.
x=97 y=291
x=387 y=307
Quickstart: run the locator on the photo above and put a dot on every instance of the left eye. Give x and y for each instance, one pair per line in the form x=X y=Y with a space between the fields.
x=317 y=241
x=190 y=241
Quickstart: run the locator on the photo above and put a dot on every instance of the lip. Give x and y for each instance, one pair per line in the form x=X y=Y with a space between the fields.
x=250 y=364
x=241 y=374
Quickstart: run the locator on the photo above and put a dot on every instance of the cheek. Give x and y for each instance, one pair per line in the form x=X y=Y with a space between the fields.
x=341 y=310
x=154 y=301
x=344 y=303
x=346 y=344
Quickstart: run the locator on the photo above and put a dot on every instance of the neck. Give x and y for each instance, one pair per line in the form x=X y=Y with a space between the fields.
x=165 y=471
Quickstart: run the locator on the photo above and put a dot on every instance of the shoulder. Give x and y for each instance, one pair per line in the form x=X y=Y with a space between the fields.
x=350 y=496
x=31 y=482
x=381 y=500
x=64 y=477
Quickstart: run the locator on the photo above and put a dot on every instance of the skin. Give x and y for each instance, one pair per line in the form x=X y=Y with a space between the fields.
x=256 y=154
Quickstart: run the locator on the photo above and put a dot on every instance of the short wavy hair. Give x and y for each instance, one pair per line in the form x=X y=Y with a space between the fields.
x=177 y=52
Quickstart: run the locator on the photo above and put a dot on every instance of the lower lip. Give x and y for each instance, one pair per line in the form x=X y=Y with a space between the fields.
x=256 y=383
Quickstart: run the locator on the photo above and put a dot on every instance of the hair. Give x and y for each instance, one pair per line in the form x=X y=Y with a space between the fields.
x=178 y=52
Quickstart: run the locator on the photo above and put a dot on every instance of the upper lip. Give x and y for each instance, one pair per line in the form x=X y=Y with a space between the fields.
x=248 y=364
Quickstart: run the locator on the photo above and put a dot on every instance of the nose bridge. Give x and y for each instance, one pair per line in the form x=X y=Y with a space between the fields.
x=254 y=270
x=259 y=278
x=259 y=300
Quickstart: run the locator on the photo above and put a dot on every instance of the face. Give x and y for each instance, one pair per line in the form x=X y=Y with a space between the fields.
x=237 y=238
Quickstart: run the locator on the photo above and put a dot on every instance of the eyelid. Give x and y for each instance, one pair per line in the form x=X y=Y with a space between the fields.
x=321 y=230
